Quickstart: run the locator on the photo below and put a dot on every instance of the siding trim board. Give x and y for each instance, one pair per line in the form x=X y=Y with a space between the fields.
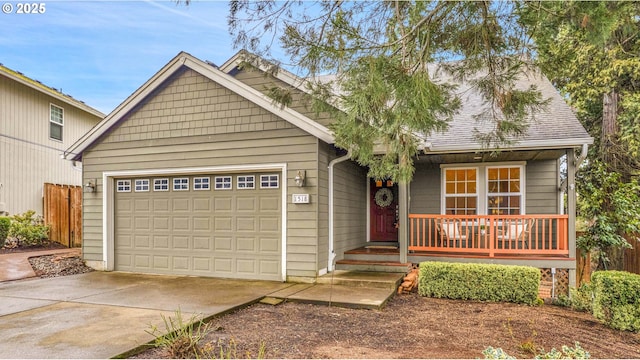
x=108 y=201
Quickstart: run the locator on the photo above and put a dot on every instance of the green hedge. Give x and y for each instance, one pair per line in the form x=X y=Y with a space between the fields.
x=617 y=299
x=485 y=282
x=5 y=224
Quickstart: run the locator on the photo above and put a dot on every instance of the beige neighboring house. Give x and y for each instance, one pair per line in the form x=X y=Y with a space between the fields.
x=199 y=172
x=37 y=124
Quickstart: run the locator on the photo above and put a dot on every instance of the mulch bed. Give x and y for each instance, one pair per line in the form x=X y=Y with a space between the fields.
x=412 y=327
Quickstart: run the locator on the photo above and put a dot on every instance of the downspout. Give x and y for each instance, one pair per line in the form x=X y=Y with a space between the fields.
x=583 y=155
x=332 y=163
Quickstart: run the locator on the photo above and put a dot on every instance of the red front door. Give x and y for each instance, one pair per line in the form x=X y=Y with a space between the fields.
x=383 y=211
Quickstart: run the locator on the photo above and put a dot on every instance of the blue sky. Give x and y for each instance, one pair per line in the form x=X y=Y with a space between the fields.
x=100 y=52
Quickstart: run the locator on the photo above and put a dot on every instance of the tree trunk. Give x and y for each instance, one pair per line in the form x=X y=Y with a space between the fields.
x=608 y=149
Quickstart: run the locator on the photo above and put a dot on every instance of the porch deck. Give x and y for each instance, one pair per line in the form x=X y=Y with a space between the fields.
x=395 y=253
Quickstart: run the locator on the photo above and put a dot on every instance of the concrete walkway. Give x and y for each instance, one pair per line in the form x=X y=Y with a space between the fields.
x=16 y=266
x=105 y=314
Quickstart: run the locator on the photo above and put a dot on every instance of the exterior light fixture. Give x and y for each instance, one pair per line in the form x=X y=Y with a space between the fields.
x=91 y=186
x=300 y=176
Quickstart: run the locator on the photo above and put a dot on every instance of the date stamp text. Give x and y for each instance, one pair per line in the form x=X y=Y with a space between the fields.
x=24 y=8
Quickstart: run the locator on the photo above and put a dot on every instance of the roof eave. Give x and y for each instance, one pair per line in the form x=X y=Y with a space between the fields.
x=75 y=103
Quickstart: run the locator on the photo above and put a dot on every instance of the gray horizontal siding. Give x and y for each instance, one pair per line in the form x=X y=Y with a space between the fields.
x=201 y=134
x=542 y=187
x=424 y=191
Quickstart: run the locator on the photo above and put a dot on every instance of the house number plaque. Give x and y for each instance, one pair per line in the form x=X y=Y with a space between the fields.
x=300 y=198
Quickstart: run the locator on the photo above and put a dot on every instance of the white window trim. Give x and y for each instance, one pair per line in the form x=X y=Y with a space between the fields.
x=245 y=187
x=173 y=184
x=160 y=189
x=483 y=184
x=61 y=124
x=443 y=184
x=269 y=181
x=230 y=182
x=108 y=201
x=135 y=186
x=207 y=183
x=522 y=192
x=123 y=183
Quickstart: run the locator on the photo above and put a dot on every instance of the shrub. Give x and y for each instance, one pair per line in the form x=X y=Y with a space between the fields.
x=617 y=299
x=485 y=282
x=180 y=339
x=5 y=224
x=28 y=229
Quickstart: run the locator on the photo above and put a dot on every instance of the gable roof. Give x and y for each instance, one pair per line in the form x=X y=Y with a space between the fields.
x=556 y=127
x=210 y=71
x=38 y=86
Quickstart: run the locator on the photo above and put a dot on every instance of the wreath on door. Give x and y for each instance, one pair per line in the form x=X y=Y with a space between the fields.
x=384 y=197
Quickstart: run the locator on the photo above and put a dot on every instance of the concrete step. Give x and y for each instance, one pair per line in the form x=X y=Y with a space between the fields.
x=373 y=266
x=362 y=279
x=372 y=257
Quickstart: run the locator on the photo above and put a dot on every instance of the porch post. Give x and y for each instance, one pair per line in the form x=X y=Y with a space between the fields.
x=403 y=223
x=571 y=210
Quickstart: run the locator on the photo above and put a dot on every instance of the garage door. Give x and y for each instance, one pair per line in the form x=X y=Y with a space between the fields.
x=220 y=225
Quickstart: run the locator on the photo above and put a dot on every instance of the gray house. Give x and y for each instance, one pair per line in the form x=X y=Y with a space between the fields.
x=198 y=172
x=37 y=124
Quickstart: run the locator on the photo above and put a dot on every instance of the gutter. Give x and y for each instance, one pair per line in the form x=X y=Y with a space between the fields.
x=332 y=163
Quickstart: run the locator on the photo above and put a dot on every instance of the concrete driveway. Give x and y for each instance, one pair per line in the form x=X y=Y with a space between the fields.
x=102 y=314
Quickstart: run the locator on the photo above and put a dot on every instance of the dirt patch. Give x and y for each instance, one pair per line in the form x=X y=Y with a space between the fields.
x=12 y=247
x=412 y=327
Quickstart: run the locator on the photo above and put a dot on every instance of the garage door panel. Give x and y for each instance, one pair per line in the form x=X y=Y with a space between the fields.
x=161 y=262
x=233 y=233
x=222 y=243
x=181 y=205
x=142 y=242
x=246 y=204
x=223 y=223
x=180 y=242
x=160 y=205
x=181 y=223
x=222 y=204
x=181 y=263
x=161 y=242
x=269 y=224
x=271 y=203
x=246 y=266
x=202 y=243
x=141 y=205
x=202 y=223
x=246 y=244
x=202 y=205
x=269 y=267
x=268 y=245
x=244 y=224
x=161 y=223
x=223 y=265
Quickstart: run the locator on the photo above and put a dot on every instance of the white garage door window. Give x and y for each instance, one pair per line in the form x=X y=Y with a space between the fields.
x=217 y=225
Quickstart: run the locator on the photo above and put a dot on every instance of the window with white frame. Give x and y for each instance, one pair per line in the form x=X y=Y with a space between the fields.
x=56 y=122
x=123 y=185
x=269 y=181
x=201 y=183
x=504 y=190
x=461 y=191
x=483 y=189
x=246 y=182
x=180 y=184
x=160 y=184
x=141 y=185
x=223 y=183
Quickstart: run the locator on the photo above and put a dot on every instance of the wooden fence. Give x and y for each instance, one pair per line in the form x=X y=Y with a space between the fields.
x=63 y=213
x=632 y=256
